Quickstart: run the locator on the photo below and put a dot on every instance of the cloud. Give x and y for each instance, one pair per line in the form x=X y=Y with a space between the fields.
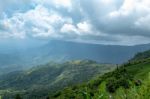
x=13 y=6
x=68 y=28
x=121 y=22
x=84 y=27
x=38 y=22
x=116 y=17
x=63 y=3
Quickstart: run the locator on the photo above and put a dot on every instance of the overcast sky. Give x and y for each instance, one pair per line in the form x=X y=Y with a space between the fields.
x=117 y=22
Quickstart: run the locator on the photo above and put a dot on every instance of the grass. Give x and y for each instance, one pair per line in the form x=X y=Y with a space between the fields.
x=139 y=84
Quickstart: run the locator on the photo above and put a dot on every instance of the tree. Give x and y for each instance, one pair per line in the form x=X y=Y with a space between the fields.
x=18 y=96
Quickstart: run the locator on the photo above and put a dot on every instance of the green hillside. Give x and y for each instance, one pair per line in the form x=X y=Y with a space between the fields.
x=80 y=79
x=141 y=55
x=37 y=82
x=128 y=81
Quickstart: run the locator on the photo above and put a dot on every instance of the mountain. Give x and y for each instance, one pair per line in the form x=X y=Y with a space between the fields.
x=80 y=79
x=37 y=82
x=141 y=56
x=61 y=51
x=66 y=50
x=129 y=81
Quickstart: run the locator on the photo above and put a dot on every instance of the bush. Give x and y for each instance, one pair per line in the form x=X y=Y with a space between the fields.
x=112 y=85
x=18 y=96
x=57 y=94
x=138 y=82
x=124 y=83
x=94 y=84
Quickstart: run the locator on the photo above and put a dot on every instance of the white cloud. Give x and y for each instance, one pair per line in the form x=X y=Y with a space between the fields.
x=38 y=22
x=81 y=28
x=69 y=28
x=103 y=21
x=143 y=23
x=138 y=7
x=59 y=4
x=84 y=27
x=12 y=28
x=63 y=3
x=40 y=33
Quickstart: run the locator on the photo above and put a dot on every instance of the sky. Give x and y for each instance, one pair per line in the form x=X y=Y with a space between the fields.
x=115 y=22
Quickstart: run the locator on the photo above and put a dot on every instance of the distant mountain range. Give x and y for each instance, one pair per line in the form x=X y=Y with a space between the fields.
x=61 y=51
x=79 y=78
x=115 y=54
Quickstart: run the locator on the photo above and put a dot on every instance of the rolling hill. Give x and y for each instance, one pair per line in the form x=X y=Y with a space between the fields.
x=37 y=82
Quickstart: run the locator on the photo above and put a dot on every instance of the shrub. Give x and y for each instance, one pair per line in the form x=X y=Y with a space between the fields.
x=138 y=82
x=18 y=96
x=124 y=83
x=57 y=94
x=111 y=85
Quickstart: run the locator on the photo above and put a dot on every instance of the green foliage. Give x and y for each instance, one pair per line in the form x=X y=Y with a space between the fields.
x=141 y=55
x=112 y=85
x=120 y=78
x=126 y=82
x=18 y=96
x=50 y=78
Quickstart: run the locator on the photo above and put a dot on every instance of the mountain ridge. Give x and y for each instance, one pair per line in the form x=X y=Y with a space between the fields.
x=61 y=51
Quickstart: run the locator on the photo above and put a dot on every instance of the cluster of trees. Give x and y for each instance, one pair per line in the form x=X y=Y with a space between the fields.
x=124 y=81
x=142 y=55
x=120 y=78
x=18 y=96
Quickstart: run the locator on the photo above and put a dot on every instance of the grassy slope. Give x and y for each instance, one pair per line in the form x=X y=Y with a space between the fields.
x=140 y=71
x=97 y=88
